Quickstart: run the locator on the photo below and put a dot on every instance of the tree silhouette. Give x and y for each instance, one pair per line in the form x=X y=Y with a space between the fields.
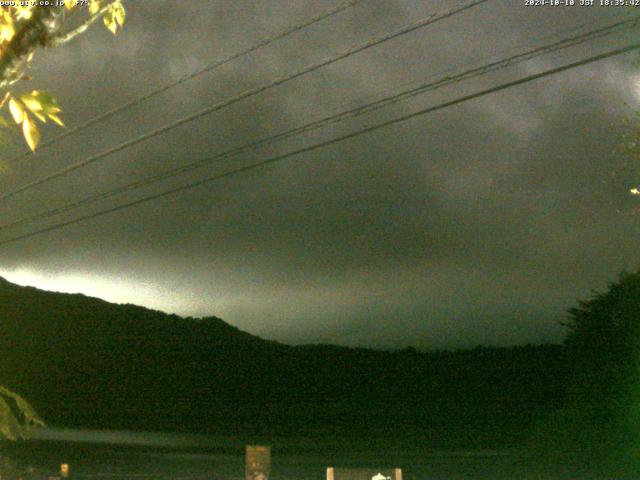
x=600 y=420
x=23 y=28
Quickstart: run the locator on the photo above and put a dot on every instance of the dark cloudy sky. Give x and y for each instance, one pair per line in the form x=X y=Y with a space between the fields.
x=479 y=224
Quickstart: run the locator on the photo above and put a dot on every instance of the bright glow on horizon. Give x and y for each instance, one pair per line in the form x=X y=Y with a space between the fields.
x=109 y=289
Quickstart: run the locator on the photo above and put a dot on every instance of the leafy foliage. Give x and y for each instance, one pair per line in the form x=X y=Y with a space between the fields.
x=38 y=105
x=16 y=415
x=27 y=109
x=113 y=17
x=604 y=341
x=599 y=423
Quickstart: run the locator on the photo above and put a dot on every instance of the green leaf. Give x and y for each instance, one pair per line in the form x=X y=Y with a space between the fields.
x=6 y=31
x=38 y=100
x=31 y=103
x=56 y=119
x=8 y=421
x=119 y=13
x=114 y=17
x=17 y=110
x=10 y=427
x=30 y=416
x=30 y=132
x=110 y=21
x=42 y=105
x=40 y=117
x=94 y=6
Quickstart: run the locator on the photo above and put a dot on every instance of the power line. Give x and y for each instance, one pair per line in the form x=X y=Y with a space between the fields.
x=246 y=94
x=326 y=143
x=369 y=107
x=185 y=78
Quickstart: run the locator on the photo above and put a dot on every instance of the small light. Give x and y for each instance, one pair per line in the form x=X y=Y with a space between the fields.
x=634 y=191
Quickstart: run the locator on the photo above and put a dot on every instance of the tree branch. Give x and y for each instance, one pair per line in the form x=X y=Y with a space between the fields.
x=65 y=37
x=4 y=99
x=37 y=30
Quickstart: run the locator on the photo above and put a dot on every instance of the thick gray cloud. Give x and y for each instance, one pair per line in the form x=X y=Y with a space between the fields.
x=479 y=224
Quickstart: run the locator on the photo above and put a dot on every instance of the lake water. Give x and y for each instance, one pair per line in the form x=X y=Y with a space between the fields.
x=121 y=455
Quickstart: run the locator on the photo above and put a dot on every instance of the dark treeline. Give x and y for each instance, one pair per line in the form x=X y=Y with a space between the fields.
x=88 y=363
x=598 y=423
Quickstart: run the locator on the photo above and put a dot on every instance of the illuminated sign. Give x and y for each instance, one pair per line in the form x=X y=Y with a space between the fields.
x=258 y=462
x=364 y=474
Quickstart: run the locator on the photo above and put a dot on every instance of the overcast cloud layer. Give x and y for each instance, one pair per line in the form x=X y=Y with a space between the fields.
x=480 y=224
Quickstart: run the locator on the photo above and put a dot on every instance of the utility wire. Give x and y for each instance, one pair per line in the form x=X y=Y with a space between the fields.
x=247 y=93
x=185 y=78
x=369 y=107
x=326 y=143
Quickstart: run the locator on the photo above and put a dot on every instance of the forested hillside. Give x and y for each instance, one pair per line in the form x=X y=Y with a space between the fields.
x=85 y=362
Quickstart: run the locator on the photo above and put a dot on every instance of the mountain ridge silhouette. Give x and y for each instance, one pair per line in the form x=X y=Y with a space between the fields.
x=85 y=362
